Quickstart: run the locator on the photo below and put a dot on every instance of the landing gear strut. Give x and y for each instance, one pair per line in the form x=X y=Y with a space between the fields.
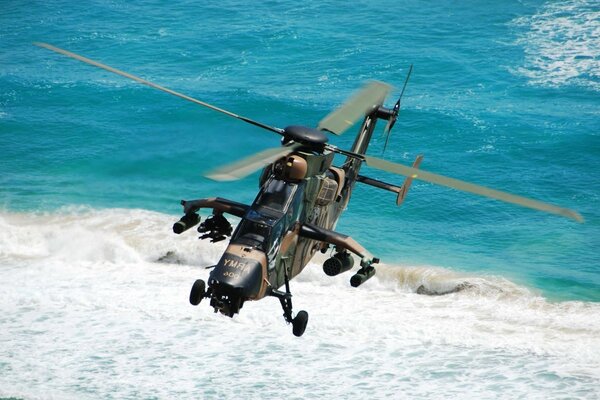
x=301 y=320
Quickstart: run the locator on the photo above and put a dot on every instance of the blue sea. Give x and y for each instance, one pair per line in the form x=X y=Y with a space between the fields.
x=94 y=284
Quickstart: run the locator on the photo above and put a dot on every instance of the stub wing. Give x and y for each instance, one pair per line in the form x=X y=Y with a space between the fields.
x=339 y=240
x=216 y=203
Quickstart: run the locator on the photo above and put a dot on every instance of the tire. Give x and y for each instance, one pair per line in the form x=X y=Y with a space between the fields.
x=299 y=323
x=197 y=293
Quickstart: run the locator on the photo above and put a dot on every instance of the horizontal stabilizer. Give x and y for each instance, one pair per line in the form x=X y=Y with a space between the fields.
x=401 y=191
x=379 y=184
x=469 y=187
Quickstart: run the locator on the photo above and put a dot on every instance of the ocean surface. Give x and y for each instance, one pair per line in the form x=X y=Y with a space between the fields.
x=94 y=285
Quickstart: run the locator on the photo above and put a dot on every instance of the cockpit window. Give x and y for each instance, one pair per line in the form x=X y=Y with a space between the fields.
x=253 y=234
x=264 y=223
x=276 y=195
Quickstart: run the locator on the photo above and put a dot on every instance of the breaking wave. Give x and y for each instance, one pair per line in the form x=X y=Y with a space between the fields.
x=91 y=295
x=125 y=236
x=121 y=236
x=79 y=235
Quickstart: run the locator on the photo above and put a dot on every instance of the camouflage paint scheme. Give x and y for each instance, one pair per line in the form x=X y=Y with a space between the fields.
x=312 y=196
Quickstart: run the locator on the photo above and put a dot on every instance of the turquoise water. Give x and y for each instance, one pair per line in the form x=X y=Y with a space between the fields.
x=494 y=99
x=503 y=94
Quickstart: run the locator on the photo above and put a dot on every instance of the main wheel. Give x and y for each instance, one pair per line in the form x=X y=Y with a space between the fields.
x=198 y=291
x=299 y=323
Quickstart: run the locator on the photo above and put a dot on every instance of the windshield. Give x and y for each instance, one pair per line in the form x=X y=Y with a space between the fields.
x=256 y=229
x=264 y=223
x=252 y=233
x=276 y=195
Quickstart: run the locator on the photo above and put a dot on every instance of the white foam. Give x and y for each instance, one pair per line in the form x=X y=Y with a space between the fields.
x=85 y=235
x=88 y=312
x=562 y=44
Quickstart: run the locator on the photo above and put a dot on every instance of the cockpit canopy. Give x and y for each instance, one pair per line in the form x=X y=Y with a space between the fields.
x=276 y=196
x=264 y=222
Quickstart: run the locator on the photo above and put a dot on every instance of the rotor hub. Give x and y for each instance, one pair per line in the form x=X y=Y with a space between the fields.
x=304 y=135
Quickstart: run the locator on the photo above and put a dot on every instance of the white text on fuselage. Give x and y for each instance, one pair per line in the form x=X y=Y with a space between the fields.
x=238 y=265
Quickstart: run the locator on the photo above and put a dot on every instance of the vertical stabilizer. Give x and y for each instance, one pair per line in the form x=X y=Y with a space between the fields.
x=407 y=182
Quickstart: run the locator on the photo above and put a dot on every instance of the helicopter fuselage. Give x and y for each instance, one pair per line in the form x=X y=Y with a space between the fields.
x=301 y=198
x=267 y=248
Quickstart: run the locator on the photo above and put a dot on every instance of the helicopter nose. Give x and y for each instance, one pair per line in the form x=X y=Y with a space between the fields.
x=241 y=270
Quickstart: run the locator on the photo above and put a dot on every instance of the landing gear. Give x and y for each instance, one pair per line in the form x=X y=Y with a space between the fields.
x=299 y=323
x=301 y=319
x=198 y=292
x=229 y=300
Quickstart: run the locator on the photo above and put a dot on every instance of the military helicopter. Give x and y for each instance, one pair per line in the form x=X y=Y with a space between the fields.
x=302 y=195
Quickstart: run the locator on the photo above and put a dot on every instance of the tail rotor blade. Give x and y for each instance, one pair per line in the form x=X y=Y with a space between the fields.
x=470 y=187
x=155 y=86
x=246 y=166
x=359 y=105
x=387 y=130
x=396 y=111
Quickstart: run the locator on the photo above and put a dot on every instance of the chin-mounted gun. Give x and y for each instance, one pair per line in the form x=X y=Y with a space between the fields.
x=215 y=228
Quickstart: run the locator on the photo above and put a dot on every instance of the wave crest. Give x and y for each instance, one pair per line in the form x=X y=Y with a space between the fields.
x=123 y=237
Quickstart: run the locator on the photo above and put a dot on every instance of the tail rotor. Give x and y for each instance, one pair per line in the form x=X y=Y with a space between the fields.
x=395 y=111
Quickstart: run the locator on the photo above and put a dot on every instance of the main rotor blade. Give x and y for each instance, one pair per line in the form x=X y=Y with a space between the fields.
x=246 y=166
x=470 y=187
x=155 y=86
x=359 y=105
